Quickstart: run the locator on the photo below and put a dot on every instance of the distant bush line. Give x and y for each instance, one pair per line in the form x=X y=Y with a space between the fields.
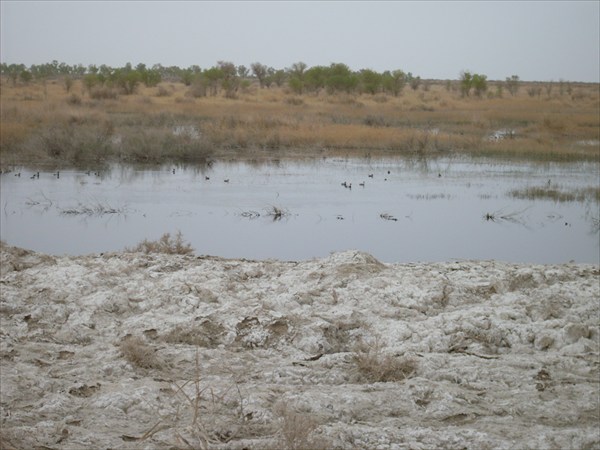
x=226 y=78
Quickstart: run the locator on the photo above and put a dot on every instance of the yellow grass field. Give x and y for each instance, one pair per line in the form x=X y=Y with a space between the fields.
x=45 y=124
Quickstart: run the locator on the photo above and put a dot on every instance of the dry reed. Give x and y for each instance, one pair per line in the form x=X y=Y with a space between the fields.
x=44 y=123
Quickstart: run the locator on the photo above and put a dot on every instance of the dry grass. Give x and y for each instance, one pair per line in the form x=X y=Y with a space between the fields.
x=139 y=353
x=297 y=430
x=44 y=123
x=555 y=193
x=374 y=366
x=165 y=244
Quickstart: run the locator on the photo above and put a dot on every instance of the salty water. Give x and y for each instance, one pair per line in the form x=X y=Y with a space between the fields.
x=407 y=211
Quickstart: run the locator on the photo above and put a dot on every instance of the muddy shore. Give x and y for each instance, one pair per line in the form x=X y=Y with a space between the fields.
x=154 y=351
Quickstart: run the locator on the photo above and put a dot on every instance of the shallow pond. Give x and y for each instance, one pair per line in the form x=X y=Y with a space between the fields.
x=407 y=211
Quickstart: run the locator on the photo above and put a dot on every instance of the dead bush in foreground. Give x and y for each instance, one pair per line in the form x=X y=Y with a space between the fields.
x=139 y=353
x=166 y=244
x=297 y=430
x=374 y=366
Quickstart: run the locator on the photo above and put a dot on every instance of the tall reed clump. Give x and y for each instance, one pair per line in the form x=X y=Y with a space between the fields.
x=72 y=142
x=158 y=145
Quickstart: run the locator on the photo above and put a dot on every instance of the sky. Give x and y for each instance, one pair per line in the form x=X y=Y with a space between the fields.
x=537 y=40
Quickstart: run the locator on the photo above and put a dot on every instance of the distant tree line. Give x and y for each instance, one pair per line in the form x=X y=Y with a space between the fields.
x=227 y=78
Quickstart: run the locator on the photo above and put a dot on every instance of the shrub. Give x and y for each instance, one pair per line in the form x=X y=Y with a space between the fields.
x=163 y=92
x=296 y=428
x=73 y=141
x=103 y=93
x=374 y=366
x=139 y=353
x=375 y=121
x=165 y=245
x=74 y=100
x=198 y=89
x=295 y=101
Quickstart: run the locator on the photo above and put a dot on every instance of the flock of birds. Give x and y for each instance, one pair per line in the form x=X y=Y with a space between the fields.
x=36 y=175
x=345 y=184
x=56 y=174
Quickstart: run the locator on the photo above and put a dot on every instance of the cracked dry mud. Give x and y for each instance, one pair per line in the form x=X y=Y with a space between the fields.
x=152 y=351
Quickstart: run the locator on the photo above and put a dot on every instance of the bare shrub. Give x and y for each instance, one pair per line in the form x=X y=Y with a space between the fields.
x=295 y=101
x=74 y=141
x=216 y=417
x=375 y=121
x=296 y=429
x=166 y=244
x=197 y=90
x=160 y=143
x=207 y=334
x=103 y=93
x=139 y=353
x=184 y=100
x=74 y=100
x=163 y=92
x=374 y=366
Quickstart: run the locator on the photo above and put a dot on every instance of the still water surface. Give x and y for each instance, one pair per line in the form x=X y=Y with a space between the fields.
x=407 y=211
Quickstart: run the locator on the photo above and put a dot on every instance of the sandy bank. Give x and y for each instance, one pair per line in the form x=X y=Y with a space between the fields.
x=136 y=351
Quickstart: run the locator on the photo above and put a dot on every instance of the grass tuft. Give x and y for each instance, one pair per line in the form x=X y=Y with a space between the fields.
x=374 y=366
x=166 y=244
x=550 y=192
x=296 y=429
x=139 y=353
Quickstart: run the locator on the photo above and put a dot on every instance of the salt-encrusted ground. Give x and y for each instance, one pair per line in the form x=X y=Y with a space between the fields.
x=137 y=351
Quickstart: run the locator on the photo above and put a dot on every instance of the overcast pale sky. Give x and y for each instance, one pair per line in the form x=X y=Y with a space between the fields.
x=537 y=40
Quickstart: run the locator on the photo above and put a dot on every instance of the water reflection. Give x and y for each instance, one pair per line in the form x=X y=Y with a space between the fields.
x=396 y=209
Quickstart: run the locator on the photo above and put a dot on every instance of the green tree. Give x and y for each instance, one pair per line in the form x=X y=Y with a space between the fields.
x=68 y=83
x=278 y=77
x=296 y=85
x=78 y=70
x=186 y=76
x=269 y=78
x=243 y=71
x=64 y=69
x=297 y=70
x=230 y=82
x=296 y=77
x=105 y=71
x=479 y=84
x=126 y=79
x=413 y=81
x=212 y=77
x=394 y=82
x=90 y=80
x=512 y=84
x=13 y=72
x=466 y=83
x=370 y=81
x=25 y=76
x=315 y=77
x=260 y=72
x=340 y=79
